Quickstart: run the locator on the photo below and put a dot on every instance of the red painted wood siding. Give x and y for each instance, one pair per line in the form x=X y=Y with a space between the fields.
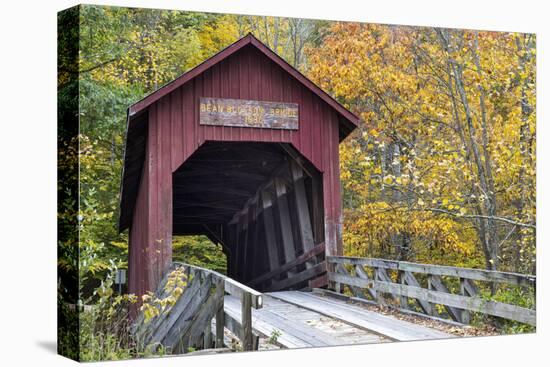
x=174 y=134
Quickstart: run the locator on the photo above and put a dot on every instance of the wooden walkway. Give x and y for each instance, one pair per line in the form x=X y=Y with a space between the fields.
x=304 y=319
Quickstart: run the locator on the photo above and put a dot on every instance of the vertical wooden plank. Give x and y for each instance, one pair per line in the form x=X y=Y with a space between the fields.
x=251 y=243
x=331 y=268
x=262 y=257
x=254 y=242
x=220 y=293
x=227 y=132
x=269 y=227
x=337 y=188
x=337 y=285
x=306 y=127
x=335 y=241
x=216 y=90
x=246 y=321
x=237 y=253
x=284 y=219
x=318 y=210
x=316 y=135
x=207 y=337
x=189 y=125
x=241 y=243
x=151 y=251
x=220 y=321
x=295 y=91
x=200 y=91
x=287 y=97
x=276 y=91
x=235 y=88
x=244 y=245
x=208 y=92
x=139 y=237
x=176 y=137
x=165 y=187
x=249 y=84
x=302 y=210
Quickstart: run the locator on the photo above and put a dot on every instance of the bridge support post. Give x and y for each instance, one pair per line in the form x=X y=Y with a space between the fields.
x=246 y=321
x=220 y=322
x=302 y=210
x=285 y=224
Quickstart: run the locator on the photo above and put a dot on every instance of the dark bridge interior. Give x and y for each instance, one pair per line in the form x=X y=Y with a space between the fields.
x=263 y=202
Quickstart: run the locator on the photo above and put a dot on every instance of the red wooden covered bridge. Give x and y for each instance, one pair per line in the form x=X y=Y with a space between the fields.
x=244 y=149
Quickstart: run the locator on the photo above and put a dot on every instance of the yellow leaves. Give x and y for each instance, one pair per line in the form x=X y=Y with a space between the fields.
x=373 y=227
x=345 y=175
x=178 y=291
x=174 y=288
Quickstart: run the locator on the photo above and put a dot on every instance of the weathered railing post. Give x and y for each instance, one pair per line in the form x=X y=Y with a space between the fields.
x=220 y=321
x=331 y=268
x=246 y=321
x=404 y=300
x=207 y=337
x=431 y=288
x=378 y=276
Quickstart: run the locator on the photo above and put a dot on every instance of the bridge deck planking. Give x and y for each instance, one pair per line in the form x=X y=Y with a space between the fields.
x=233 y=308
x=324 y=329
x=300 y=327
x=387 y=326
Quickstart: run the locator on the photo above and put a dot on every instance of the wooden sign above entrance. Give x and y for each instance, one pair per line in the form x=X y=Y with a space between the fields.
x=245 y=113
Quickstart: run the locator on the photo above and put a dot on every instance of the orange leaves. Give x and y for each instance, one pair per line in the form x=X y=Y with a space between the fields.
x=435 y=101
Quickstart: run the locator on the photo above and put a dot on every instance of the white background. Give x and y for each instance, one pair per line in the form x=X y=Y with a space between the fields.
x=28 y=174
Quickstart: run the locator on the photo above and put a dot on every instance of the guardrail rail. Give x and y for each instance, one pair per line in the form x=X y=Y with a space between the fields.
x=423 y=286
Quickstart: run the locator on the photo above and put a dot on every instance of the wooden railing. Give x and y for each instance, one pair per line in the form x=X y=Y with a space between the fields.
x=249 y=299
x=421 y=287
x=188 y=323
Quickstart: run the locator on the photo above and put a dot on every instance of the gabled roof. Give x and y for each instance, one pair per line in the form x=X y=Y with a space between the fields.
x=141 y=105
x=136 y=130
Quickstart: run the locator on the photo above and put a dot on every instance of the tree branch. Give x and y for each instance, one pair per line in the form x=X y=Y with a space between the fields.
x=476 y=216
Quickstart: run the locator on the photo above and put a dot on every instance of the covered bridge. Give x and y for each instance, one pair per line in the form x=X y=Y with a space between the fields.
x=243 y=149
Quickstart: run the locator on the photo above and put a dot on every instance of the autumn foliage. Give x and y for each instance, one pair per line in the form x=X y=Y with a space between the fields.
x=443 y=167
